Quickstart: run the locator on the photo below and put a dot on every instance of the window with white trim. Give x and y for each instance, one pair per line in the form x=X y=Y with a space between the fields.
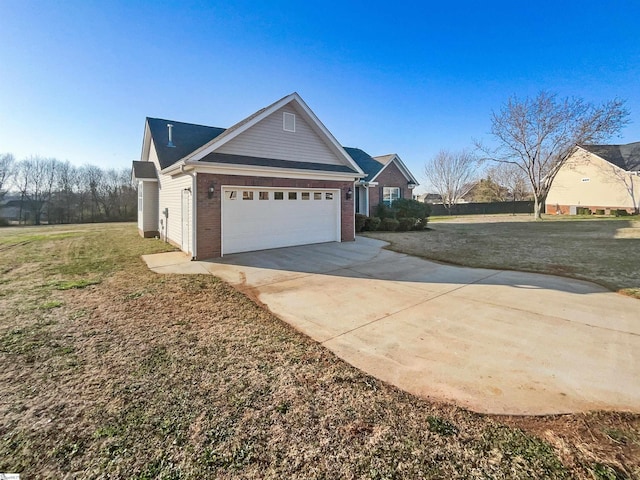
x=390 y=194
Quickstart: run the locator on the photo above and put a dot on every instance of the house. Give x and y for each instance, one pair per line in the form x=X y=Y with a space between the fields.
x=277 y=178
x=386 y=179
x=598 y=177
x=20 y=209
x=429 y=198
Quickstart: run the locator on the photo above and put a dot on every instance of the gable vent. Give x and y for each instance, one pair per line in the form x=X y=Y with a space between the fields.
x=289 y=122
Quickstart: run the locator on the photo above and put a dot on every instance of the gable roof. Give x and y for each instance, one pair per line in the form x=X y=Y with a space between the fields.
x=384 y=159
x=144 y=171
x=627 y=156
x=373 y=166
x=193 y=144
x=387 y=160
x=186 y=137
x=263 y=113
x=366 y=162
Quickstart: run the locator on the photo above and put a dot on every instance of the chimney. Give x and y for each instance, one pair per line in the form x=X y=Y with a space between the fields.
x=170 y=127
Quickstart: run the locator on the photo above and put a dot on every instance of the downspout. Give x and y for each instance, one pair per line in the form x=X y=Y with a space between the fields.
x=194 y=211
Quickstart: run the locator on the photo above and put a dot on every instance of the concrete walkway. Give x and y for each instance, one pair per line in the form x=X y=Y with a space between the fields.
x=489 y=340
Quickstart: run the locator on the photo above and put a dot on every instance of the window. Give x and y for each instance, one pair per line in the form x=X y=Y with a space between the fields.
x=140 y=197
x=247 y=195
x=306 y=196
x=328 y=196
x=390 y=194
x=317 y=196
x=289 y=122
x=293 y=195
x=278 y=195
x=263 y=196
x=231 y=194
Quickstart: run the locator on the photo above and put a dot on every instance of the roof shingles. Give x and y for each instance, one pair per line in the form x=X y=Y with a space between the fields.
x=626 y=156
x=186 y=137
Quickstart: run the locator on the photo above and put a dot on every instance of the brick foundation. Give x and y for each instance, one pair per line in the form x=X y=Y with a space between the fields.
x=566 y=209
x=148 y=234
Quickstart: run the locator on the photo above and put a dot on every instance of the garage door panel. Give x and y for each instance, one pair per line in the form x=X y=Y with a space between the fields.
x=269 y=223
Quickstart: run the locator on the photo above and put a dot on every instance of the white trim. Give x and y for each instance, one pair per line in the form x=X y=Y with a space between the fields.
x=401 y=166
x=217 y=142
x=194 y=215
x=335 y=191
x=261 y=171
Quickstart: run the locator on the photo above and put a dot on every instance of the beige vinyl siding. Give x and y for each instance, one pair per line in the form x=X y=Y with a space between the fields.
x=170 y=197
x=268 y=139
x=587 y=180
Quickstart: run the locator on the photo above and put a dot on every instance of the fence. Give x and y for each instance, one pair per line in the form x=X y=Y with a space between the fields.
x=483 y=208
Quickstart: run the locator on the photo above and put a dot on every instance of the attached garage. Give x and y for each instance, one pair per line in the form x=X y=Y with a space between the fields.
x=261 y=218
x=276 y=179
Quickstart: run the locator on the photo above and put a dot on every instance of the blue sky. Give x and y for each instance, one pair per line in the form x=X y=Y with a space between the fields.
x=78 y=78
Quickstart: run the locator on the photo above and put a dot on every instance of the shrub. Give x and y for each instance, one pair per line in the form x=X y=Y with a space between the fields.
x=406 y=223
x=411 y=208
x=371 y=224
x=583 y=211
x=389 y=225
x=361 y=221
x=421 y=223
x=622 y=213
x=383 y=211
x=599 y=211
x=4 y=222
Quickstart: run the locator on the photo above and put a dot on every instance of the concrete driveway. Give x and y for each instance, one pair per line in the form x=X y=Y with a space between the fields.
x=489 y=340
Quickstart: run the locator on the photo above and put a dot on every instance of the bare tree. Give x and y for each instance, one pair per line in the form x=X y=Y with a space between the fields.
x=7 y=164
x=35 y=178
x=512 y=178
x=451 y=174
x=537 y=135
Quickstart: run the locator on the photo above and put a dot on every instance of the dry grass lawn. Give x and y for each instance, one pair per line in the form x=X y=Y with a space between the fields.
x=111 y=371
x=603 y=250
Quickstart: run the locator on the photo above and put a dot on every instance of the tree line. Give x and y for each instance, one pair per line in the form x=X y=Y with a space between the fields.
x=52 y=191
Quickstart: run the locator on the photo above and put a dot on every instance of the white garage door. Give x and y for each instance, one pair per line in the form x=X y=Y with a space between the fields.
x=257 y=218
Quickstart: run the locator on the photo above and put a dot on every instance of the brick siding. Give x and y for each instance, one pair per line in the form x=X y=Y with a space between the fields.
x=390 y=177
x=209 y=210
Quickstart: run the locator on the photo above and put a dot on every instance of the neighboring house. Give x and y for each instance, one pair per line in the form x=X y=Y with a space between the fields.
x=387 y=179
x=605 y=177
x=20 y=210
x=429 y=198
x=277 y=178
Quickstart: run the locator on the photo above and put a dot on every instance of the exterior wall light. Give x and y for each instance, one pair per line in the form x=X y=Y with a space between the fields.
x=349 y=193
x=411 y=185
x=210 y=191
